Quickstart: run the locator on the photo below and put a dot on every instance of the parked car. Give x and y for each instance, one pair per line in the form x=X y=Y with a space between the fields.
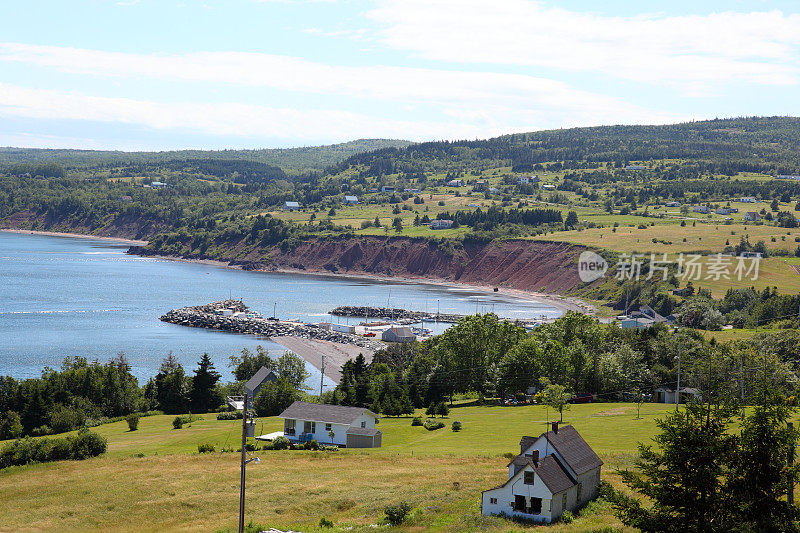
x=582 y=397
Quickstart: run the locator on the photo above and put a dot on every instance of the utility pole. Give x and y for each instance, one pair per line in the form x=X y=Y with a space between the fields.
x=437 y=311
x=678 y=388
x=322 y=376
x=790 y=487
x=241 y=483
x=274 y=310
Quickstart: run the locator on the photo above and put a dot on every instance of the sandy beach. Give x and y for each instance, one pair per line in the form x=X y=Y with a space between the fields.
x=131 y=242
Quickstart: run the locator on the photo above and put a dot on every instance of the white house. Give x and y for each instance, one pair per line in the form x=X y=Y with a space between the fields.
x=523 y=180
x=701 y=209
x=555 y=472
x=353 y=427
x=673 y=204
x=352 y=200
x=667 y=395
x=747 y=199
x=387 y=188
x=441 y=224
x=291 y=206
x=752 y=216
x=455 y=183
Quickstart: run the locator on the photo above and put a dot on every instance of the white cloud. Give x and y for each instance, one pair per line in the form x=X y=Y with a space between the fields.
x=696 y=54
x=511 y=96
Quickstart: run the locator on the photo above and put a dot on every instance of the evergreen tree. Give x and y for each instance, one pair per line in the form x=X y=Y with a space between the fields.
x=760 y=471
x=202 y=397
x=682 y=476
x=170 y=387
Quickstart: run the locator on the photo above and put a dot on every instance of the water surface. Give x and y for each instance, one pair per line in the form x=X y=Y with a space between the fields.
x=62 y=296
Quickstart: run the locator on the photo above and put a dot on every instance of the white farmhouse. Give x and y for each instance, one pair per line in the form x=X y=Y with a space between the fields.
x=353 y=427
x=555 y=472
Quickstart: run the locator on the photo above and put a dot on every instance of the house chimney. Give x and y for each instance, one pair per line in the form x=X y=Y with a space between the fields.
x=535 y=457
x=555 y=428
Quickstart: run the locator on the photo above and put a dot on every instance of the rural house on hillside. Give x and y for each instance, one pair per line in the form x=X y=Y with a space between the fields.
x=353 y=427
x=398 y=334
x=555 y=472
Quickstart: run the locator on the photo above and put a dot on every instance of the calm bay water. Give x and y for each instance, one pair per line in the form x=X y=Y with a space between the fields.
x=63 y=296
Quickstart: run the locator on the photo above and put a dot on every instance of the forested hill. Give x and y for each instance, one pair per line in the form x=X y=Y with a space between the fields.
x=290 y=160
x=760 y=144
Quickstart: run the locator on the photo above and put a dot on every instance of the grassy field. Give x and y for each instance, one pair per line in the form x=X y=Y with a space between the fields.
x=153 y=479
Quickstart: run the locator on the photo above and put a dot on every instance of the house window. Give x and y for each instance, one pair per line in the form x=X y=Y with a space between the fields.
x=310 y=427
x=528 y=478
x=328 y=427
x=363 y=424
x=564 y=502
x=580 y=491
x=536 y=506
x=288 y=427
x=493 y=501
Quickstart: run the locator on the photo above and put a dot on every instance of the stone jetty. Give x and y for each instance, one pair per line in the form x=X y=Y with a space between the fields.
x=393 y=314
x=235 y=317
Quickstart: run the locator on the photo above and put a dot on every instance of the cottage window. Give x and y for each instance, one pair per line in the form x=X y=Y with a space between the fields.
x=310 y=427
x=536 y=506
x=328 y=427
x=580 y=491
x=363 y=424
x=528 y=478
x=493 y=501
x=288 y=427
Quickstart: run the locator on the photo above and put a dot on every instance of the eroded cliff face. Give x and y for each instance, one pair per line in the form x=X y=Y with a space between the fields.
x=525 y=265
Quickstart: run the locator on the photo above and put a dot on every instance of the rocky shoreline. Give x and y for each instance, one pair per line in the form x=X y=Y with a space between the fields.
x=243 y=320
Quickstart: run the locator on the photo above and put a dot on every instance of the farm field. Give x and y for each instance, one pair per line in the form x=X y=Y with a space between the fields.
x=153 y=479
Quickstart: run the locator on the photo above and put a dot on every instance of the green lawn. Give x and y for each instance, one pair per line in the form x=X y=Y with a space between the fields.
x=153 y=478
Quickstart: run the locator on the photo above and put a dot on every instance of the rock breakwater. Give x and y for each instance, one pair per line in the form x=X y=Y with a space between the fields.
x=235 y=317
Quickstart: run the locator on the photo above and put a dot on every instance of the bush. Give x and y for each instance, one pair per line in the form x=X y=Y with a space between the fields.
x=416 y=421
x=396 y=514
x=456 y=425
x=133 y=421
x=324 y=522
x=311 y=445
x=567 y=517
x=230 y=415
x=432 y=425
x=63 y=418
x=180 y=420
x=281 y=443
x=206 y=448
x=81 y=446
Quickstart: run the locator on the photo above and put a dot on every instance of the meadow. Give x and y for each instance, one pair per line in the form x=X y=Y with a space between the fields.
x=154 y=479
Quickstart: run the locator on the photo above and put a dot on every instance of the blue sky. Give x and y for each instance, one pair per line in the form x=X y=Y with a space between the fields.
x=160 y=75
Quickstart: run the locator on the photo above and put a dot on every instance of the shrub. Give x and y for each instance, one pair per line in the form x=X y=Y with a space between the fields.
x=567 y=517
x=311 y=445
x=281 y=443
x=63 y=418
x=177 y=422
x=230 y=415
x=416 y=421
x=133 y=421
x=324 y=522
x=81 y=446
x=396 y=514
x=180 y=420
x=432 y=425
x=456 y=425
x=206 y=448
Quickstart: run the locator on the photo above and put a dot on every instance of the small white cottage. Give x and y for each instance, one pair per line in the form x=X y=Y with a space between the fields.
x=353 y=427
x=555 y=472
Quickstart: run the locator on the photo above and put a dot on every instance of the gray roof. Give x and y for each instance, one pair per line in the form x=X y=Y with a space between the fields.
x=363 y=431
x=526 y=442
x=550 y=471
x=576 y=452
x=258 y=378
x=553 y=474
x=319 y=412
